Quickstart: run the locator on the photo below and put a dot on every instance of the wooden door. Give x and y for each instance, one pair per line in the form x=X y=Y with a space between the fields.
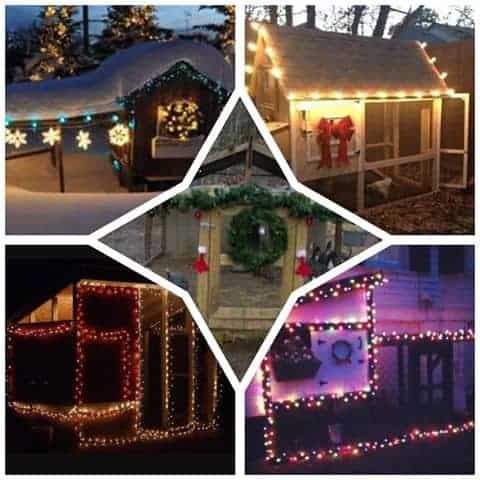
x=431 y=379
x=454 y=141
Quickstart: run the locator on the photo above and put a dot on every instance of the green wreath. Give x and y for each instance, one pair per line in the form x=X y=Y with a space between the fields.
x=245 y=228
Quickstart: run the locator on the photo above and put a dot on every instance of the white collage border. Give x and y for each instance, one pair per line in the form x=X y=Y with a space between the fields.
x=93 y=239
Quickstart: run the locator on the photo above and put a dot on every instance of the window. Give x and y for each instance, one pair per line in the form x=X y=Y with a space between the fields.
x=419 y=259
x=451 y=259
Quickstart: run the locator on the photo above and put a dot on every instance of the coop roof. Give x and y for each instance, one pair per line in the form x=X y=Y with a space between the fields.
x=121 y=74
x=314 y=61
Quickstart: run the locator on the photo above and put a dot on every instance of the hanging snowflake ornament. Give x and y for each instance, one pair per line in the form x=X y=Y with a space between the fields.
x=16 y=138
x=52 y=136
x=119 y=135
x=83 y=139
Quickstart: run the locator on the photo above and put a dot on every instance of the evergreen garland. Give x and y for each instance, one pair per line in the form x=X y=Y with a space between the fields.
x=57 y=47
x=128 y=25
x=176 y=73
x=298 y=205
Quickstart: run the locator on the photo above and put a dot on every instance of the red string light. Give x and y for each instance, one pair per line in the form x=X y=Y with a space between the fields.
x=371 y=446
x=131 y=360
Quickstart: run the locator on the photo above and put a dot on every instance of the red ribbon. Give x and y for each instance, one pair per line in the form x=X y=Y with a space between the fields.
x=303 y=268
x=324 y=135
x=200 y=264
x=343 y=131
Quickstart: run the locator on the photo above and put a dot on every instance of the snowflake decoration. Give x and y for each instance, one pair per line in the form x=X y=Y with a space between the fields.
x=119 y=135
x=83 y=139
x=52 y=136
x=16 y=138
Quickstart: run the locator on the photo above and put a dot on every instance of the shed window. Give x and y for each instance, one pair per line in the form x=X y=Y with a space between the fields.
x=419 y=259
x=451 y=259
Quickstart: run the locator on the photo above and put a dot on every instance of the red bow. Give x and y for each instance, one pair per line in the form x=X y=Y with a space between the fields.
x=324 y=135
x=303 y=268
x=343 y=131
x=200 y=264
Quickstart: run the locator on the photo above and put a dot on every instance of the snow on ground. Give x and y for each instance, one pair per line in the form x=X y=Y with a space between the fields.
x=97 y=91
x=84 y=171
x=35 y=213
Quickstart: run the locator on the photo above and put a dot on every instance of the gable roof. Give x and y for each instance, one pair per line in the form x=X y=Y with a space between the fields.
x=311 y=60
x=118 y=76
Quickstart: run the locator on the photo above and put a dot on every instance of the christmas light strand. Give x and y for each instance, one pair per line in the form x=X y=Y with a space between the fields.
x=394 y=338
x=277 y=73
x=130 y=340
x=366 y=282
x=365 y=447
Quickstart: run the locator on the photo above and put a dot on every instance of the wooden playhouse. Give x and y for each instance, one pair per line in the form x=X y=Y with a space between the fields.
x=365 y=121
x=112 y=363
x=230 y=229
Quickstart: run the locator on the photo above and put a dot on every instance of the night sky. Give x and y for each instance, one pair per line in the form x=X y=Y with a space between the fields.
x=174 y=17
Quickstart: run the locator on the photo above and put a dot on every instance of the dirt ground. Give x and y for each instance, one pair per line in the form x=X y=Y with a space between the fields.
x=445 y=212
x=446 y=456
x=236 y=289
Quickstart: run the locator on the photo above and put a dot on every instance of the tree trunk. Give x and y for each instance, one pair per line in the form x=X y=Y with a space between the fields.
x=381 y=21
x=358 y=11
x=289 y=15
x=273 y=13
x=86 y=32
x=311 y=16
x=338 y=236
x=409 y=20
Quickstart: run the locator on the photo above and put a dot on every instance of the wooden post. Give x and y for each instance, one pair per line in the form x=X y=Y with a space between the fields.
x=437 y=119
x=192 y=396
x=215 y=231
x=53 y=157
x=202 y=294
x=396 y=135
x=147 y=240
x=164 y=339
x=300 y=244
x=59 y=156
x=289 y=259
x=361 y=156
x=338 y=236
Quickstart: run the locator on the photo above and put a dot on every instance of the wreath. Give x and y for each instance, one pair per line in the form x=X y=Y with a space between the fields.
x=257 y=238
x=181 y=119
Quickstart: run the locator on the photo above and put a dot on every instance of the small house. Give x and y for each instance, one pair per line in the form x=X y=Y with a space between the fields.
x=155 y=103
x=113 y=363
x=365 y=364
x=363 y=120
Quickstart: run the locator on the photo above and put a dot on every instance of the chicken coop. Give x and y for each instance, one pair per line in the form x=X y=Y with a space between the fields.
x=340 y=377
x=113 y=363
x=152 y=105
x=365 y=121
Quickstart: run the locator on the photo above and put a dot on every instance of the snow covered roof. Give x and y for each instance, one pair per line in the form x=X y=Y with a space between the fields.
x=128 y=70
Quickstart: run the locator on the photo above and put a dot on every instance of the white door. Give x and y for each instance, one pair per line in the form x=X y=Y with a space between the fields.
x=454 y=141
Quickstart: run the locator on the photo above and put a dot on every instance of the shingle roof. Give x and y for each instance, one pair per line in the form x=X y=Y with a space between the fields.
x=314 y=60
